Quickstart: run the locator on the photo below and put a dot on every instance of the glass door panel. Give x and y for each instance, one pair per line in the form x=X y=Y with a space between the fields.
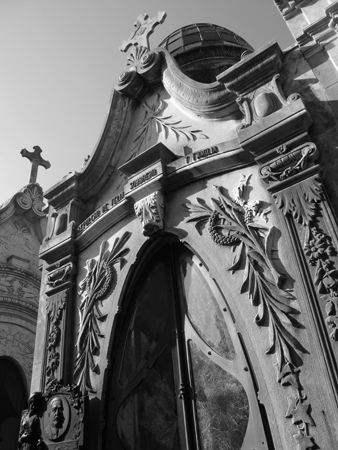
x=147 y=419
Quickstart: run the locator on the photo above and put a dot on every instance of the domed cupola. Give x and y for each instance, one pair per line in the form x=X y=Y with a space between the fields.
x=205 y=50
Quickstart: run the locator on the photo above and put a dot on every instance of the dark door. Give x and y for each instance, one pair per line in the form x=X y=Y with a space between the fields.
x=180 y=378
x=13 y=400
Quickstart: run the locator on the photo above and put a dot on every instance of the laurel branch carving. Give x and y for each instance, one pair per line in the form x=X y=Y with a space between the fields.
x=237 y=223
x=93 y=289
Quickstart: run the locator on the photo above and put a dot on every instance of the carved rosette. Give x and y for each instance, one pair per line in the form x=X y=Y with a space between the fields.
x=150 y=211
x=94 y=288
x=238 y=223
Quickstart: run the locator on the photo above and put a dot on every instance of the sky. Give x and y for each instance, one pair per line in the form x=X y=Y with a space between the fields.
x=60 y=61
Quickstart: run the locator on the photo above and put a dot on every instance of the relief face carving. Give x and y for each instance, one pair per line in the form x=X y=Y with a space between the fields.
x=94 y=288
x=150 y=211
x=62 y=418
x=57 y=418
x=236 y=222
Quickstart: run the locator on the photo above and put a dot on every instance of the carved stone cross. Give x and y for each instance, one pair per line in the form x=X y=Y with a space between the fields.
x=144 y=28
x=36 y=161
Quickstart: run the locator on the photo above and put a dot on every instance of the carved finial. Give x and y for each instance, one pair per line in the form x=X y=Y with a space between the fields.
x=36 y=161
x=144 y=28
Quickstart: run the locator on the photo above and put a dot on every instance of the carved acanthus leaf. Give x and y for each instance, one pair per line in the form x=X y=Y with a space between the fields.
x=300 y=200
x=150 y=211
x=95 y=287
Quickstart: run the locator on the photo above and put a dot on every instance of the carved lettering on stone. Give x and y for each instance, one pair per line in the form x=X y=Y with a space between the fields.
x=237 y=222
x=94 y=288
x=150 y=211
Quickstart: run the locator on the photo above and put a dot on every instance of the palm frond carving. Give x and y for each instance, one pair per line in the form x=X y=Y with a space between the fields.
x=97 y=284
x=154 y=120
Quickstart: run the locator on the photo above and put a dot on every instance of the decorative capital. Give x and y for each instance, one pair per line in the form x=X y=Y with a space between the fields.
x=150 y=211
x=36 y=160
x=289 y=163
x=144 y=27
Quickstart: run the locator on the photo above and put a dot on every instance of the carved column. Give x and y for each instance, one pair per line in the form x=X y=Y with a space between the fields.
x=296 y=187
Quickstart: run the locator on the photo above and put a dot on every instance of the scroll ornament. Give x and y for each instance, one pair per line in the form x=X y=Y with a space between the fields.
x=237 y=223
x=95 y=287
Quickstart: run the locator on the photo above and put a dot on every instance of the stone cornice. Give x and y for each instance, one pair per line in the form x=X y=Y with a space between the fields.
x=320 y=32
x=29 y=199
x=254 y=70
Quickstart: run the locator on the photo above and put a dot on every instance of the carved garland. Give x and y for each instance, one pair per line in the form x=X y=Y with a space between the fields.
x=93 y=289
x=236 y=223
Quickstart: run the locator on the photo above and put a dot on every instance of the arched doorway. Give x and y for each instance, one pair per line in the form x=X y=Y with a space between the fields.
x=180 y=379
x=13 y=399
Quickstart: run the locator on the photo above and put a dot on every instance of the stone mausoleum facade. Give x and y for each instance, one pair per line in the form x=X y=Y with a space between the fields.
x=190 y=270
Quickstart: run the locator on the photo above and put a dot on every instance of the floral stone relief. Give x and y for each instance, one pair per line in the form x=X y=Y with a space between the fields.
x=18 y=344
x=18 y=238
x=236 y=223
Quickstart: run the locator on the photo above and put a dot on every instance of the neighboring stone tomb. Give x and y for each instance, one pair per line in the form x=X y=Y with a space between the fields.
x=22 y=227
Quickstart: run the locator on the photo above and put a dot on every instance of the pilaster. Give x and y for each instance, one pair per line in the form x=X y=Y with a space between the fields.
x=275 y=131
